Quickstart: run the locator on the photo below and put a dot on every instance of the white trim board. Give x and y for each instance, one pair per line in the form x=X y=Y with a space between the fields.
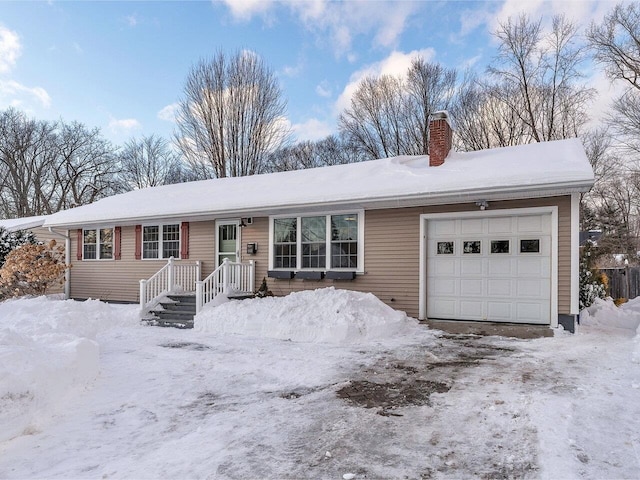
x=575 y=254
x=424 y=218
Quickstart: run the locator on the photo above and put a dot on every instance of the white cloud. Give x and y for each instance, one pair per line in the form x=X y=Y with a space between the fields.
x=77 y=48
x=123 y=126
x=397 y=63
x=245 y=9
x=132 y=20
x=607 y=91
x=19 y=93
x=313 y=129
x=293 y=70
x=323 y=89
x=10 y=49
x=470 y=62
x=168 y=113
x=337 y=22
x=581 y=13
x=341 y=22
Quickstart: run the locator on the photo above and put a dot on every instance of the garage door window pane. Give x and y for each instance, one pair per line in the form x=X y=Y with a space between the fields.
x=530 y=246
x=471 y=246
x=445 y=248
x=499 y=246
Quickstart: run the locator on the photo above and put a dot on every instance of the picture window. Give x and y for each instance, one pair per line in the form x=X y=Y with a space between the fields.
x=324 y=242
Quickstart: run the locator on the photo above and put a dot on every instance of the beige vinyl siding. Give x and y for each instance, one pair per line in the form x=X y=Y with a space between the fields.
x=391 y=257
x=120 y=279
x=391 y=248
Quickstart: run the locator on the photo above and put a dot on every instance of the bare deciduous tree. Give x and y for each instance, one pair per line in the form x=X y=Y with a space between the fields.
x=616 y=43
x=332 y=150
x=377 y=118
x=231 y=116
x=149 y=162
x=389 y=115
x=430 y=87
x=47 y=166
x=85 y=167
x=541 y=74
x=483 y=120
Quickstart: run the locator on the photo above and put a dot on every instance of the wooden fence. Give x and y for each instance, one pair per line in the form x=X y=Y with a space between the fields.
x=624 y=282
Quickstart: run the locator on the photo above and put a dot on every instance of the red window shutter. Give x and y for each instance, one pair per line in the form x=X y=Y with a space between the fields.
x=184 y=241
x=79 y=249
x=138 y=242
x=117 y=242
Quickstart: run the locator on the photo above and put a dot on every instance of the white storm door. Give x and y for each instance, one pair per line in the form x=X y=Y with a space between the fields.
x=227 y=241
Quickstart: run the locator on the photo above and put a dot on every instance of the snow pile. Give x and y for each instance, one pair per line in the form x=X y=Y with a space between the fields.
x=325 y=315
x=604 y=313
x=47 y=350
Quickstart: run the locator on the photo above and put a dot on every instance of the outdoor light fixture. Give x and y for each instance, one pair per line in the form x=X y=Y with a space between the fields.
x=483 y=204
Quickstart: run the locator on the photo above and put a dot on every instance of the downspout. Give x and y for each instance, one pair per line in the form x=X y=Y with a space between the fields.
x=67 y=261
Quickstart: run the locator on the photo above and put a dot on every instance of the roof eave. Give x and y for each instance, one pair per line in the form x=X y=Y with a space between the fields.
x=421 y=199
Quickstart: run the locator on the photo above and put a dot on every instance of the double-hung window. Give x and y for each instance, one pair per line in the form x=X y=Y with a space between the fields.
x=97 y=244
x=285 y=246
x=318 y=242
x=161 y=241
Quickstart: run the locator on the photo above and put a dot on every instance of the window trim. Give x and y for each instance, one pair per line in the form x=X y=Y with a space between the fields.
x=327 y=215
x=160 y=241
x=98 y=244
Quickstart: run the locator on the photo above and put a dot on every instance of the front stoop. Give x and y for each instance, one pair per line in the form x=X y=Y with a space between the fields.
x=175 y=311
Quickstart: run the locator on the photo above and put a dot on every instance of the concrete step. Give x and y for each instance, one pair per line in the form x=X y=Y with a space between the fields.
x=158 y=322
x=175 y=307
x=173 y=314
x=183 y=298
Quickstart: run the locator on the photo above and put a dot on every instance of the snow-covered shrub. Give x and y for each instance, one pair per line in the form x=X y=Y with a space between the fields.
x=593 y=283
x=11 y=240
x=31 y=269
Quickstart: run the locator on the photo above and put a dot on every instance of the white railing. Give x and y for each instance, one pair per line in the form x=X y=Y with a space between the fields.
x=172 y=278
x=229 y=278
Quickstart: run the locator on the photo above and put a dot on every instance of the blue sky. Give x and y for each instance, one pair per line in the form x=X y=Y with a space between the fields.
x=121 y=66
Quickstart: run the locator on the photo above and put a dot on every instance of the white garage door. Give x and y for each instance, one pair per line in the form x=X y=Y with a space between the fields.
x=494 y=268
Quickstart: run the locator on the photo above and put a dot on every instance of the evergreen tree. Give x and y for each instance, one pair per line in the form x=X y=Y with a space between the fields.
x=592 y=282
x=11 y=240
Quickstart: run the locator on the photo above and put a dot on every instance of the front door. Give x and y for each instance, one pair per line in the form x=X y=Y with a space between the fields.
x=228 y=241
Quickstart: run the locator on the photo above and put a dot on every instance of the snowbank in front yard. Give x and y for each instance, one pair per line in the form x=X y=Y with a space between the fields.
x=47 y=350
x=324 y=315
x=604 y=313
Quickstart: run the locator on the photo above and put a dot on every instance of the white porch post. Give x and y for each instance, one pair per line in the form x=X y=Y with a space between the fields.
x=198 y=271
x=143 y=293
x=252 y=275
x=170 y=275
x=225 y=276
x=199 y=295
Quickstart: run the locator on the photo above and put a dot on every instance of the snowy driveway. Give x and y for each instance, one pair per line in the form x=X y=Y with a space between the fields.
x=183 y=404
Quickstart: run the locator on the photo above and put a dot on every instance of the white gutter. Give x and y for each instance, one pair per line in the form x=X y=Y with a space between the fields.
x=67 y=260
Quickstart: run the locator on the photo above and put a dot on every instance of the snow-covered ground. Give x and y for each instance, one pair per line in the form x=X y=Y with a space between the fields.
x=336 y=384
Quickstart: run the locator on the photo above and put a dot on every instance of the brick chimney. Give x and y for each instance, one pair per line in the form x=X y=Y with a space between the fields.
x=440 y=137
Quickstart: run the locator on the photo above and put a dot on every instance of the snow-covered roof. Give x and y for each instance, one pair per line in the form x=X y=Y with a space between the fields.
x=550 y=168
x=24 y=223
